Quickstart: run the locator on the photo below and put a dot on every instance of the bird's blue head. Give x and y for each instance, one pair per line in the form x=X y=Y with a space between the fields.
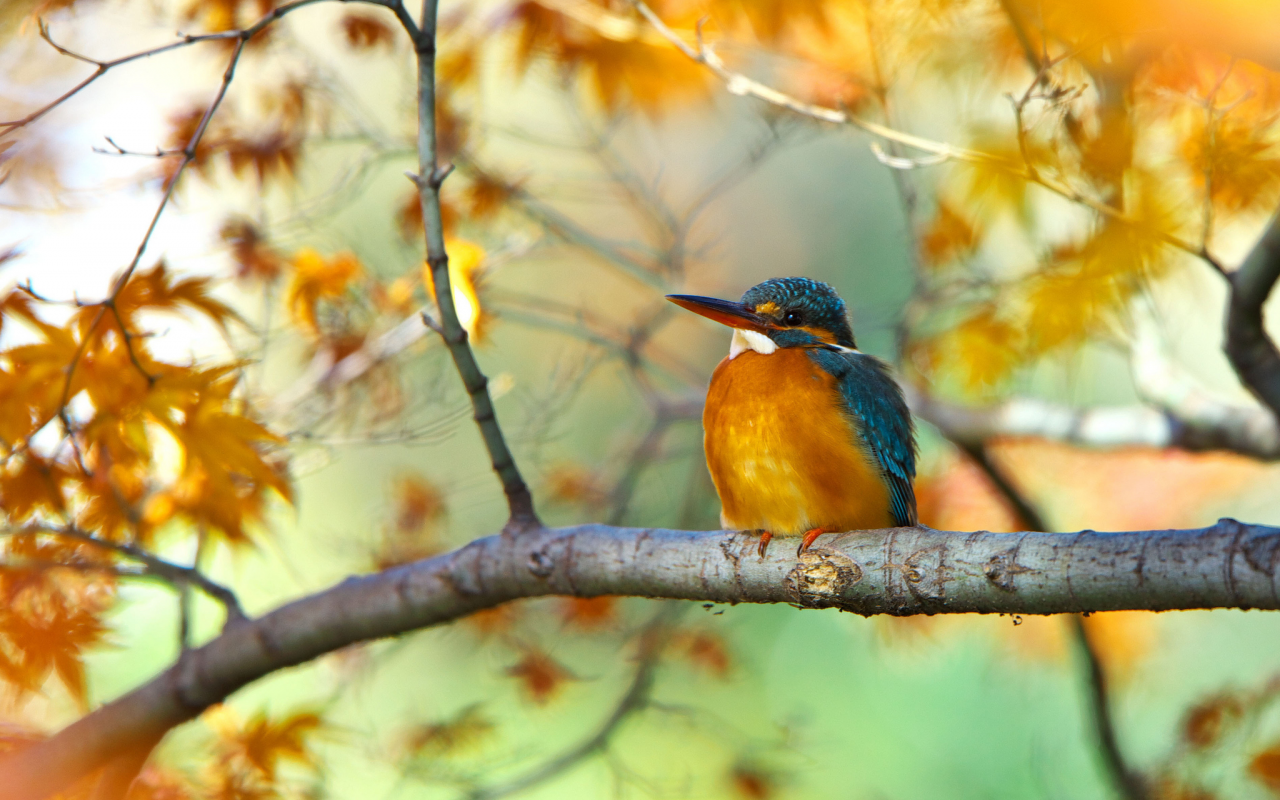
x=790 y=312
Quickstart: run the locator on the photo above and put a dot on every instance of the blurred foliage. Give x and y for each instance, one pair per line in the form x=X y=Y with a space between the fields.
x=274 y=415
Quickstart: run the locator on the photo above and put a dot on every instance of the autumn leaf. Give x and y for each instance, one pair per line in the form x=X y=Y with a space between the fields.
x=1265 y=768
x=1207 y=721
x=752 y=782
x=31 y=484
x=263 y=744
x=253 y=258
x=948 y=236
x=486 y=194
x=47 y=629
x=492 y=621
x=540 y=676
x=158 y=289
x=704 y=650
x=574 y=484
x=418 y=502
x=459 y=734
x=589 y=613
x=366 y=32
x=466 y=263
x=317 y=278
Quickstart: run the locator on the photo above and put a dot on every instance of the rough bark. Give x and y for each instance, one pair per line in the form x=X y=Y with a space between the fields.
x=895 y=571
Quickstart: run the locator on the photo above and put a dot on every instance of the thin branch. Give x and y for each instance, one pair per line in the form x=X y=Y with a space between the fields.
x=652 y=640
x=898 y=571
x=1128 y=783
x=154 y=566
x=430 y=175
x=1248 y=346
x=102 y=67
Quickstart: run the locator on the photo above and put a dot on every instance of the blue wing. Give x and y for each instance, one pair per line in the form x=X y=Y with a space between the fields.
x=881 y=418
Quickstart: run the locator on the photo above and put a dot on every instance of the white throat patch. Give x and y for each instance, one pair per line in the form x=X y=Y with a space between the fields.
x=750 y=340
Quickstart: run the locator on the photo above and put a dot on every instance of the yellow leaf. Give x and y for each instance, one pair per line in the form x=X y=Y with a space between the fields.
x=466 y=261
x=315 y=278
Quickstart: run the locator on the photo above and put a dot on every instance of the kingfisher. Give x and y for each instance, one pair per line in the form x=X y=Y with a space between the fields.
x=804 y=433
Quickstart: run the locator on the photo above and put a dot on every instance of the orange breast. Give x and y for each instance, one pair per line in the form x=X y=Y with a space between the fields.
x=783 y=455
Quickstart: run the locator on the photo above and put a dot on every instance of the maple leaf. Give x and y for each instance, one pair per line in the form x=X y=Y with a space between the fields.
x=589 y=613
x=1207 y=721
x=271 y=154
x=30 y=485
x=541 y=676
x=463 y=732
x=47 y=628
x=254 y=259
x=409 y=216
x=158 y=289
x=948 y=236
x=418 y=502
x=982 y=351
x=366 y=32
x=496 y=620
x=487 y=193
x=705 y=650
x=753 y=782
x=315 y=278
x=466 y=265
x=1265 y=767
x=261 y=743
x=576 y=485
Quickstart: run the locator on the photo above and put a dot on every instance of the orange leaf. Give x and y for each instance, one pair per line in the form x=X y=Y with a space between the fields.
x=31 y=484
x=589 y=613
x=1209 y=719
x=463 y=732
x=365 y=32
x=540 y=675
x=262 y=743
x=254 y=259
x=315 y=278
x=1265 y=767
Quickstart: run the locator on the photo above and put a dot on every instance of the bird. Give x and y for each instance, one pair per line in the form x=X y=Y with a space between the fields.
x=804 y=433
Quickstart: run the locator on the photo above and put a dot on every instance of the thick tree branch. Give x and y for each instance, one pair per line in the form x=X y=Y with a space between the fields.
x=1250 y=349
x=896 y=571
x=430 y=176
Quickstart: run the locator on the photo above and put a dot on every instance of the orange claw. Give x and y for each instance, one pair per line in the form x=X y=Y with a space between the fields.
x=763 y=547
x=809 y=537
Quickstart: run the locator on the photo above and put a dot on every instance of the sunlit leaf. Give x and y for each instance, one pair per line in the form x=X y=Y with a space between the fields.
x=317 y=278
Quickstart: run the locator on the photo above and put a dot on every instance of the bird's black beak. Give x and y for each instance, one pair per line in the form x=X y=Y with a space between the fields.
x=726 y=312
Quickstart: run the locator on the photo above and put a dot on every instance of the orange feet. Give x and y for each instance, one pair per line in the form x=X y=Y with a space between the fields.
x=809 y=537
x=763 y=547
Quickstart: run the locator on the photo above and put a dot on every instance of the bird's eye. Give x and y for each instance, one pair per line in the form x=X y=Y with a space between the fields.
x=792 y=318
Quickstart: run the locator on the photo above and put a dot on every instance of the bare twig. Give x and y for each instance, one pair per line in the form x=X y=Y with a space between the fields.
x=430 y=175
x=1128 y=783
x=153 y=565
